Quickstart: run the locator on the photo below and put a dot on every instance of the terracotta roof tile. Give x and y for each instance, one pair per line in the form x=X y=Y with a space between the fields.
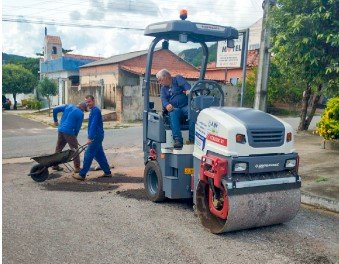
x=141 y=71
x=53 y=39
x=76 y=56
x=135 y=62
x=161 y=59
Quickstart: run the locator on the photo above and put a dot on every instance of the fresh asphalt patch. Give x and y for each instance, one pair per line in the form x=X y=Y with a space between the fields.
x=77 y=186
x=137 y=194
x=56 y=183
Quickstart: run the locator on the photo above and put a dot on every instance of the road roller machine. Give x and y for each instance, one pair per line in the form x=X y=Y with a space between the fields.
x=241 y=171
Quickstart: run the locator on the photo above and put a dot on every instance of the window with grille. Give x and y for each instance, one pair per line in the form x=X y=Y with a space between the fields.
x=154 y=89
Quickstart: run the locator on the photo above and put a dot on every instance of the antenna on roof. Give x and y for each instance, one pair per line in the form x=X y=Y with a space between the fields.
x=45 y=31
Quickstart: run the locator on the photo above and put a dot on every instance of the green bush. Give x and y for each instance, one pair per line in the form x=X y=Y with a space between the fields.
x=328 y=127
x=32 y=103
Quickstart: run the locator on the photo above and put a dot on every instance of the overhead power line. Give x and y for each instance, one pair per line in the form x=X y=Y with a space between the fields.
x=52 y=23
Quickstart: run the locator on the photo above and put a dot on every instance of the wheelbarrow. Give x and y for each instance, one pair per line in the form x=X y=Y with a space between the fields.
x=39 y=172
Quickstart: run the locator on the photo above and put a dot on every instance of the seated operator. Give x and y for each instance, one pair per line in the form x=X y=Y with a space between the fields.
x=174 y=99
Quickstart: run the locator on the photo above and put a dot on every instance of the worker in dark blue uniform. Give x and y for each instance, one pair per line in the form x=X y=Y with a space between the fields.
x=69 y=128
x=95 y=137
x=174 y=91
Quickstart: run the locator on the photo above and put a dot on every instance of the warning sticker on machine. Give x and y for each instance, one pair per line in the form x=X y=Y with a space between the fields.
x=216 y=139
x=200 y=141
x=188 y=171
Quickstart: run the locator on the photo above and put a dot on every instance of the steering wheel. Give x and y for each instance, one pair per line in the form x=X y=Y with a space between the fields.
x=204 y=88
x=201 y=90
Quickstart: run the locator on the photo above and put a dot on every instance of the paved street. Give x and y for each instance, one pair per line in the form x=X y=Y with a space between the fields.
x=26 y=138
x=110 y=220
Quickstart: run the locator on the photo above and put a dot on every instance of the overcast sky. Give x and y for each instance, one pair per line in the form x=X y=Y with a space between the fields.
x=62 y=18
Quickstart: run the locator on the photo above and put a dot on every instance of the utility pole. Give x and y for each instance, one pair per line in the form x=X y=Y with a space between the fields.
x=246 y=35
x=260 y=101
x=102 y=97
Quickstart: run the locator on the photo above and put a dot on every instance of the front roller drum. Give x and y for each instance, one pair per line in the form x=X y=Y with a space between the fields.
x=244 y=211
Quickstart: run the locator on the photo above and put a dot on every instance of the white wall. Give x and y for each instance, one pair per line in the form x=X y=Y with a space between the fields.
x=19 y=97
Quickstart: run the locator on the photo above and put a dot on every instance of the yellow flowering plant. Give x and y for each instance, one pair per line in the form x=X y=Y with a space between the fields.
x=328 y=126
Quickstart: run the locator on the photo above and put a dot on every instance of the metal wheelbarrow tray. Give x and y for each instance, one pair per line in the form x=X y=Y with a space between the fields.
x=39 y=172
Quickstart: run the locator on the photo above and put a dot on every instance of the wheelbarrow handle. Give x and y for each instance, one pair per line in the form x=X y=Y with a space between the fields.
x=79 y=150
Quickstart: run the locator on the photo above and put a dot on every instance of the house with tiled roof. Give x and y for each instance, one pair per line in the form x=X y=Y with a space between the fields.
x=122 y=77
x=62 y=67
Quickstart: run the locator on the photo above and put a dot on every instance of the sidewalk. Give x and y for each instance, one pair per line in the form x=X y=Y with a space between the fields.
x=319 y=168
x=319 y=171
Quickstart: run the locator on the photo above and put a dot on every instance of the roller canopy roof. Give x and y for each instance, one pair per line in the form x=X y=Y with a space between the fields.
x=196 y=32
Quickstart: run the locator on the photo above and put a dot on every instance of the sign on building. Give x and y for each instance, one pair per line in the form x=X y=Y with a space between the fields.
x=229 y=57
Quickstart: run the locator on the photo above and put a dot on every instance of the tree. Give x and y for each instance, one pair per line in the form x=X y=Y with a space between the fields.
x=305 y=46
x=47 y=88
x=16 y=79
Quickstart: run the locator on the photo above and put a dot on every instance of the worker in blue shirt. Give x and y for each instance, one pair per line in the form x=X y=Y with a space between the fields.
x=94 y=150
x=69 y=128
x=173 y=94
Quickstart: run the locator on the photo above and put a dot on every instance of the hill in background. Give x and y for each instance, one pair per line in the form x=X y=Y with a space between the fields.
x=194 y=56
x=10 y=58
x=31 y=64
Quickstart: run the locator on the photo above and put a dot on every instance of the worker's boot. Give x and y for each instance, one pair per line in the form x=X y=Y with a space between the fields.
x=77 y=176
x=106 y=175
x=177 y=144
x=77 y=170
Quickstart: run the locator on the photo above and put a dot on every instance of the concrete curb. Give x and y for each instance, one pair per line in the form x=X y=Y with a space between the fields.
x=321 y=202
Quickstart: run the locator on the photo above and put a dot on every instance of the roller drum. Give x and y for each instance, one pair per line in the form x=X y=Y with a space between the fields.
x=249 y=210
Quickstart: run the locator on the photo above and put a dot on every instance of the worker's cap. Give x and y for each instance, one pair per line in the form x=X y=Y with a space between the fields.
x=83 y=105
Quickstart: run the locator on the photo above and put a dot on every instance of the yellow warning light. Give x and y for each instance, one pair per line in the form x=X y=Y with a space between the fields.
x=183 y=14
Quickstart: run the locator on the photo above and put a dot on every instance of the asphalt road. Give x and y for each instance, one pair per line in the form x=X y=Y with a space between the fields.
x=110 y=220
x=26 y=138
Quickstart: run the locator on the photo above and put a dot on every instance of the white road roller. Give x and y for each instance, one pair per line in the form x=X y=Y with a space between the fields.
x=242 y=171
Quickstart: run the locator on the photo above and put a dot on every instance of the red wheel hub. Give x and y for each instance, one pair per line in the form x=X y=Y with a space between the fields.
x=218 y=207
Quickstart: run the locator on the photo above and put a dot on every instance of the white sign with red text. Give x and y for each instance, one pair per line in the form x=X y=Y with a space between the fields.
x=229 y=57
x=219 y=140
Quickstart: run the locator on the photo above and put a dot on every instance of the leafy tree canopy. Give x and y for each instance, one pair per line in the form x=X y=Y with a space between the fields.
x=305 y=46
x=31 y=64
x=47 y=87
x=306 y=40
x=16 y=79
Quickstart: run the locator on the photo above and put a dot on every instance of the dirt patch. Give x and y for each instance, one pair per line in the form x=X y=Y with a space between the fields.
x=77 y=186
x=137 y=194
x=59 y=182
x=118 y=178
